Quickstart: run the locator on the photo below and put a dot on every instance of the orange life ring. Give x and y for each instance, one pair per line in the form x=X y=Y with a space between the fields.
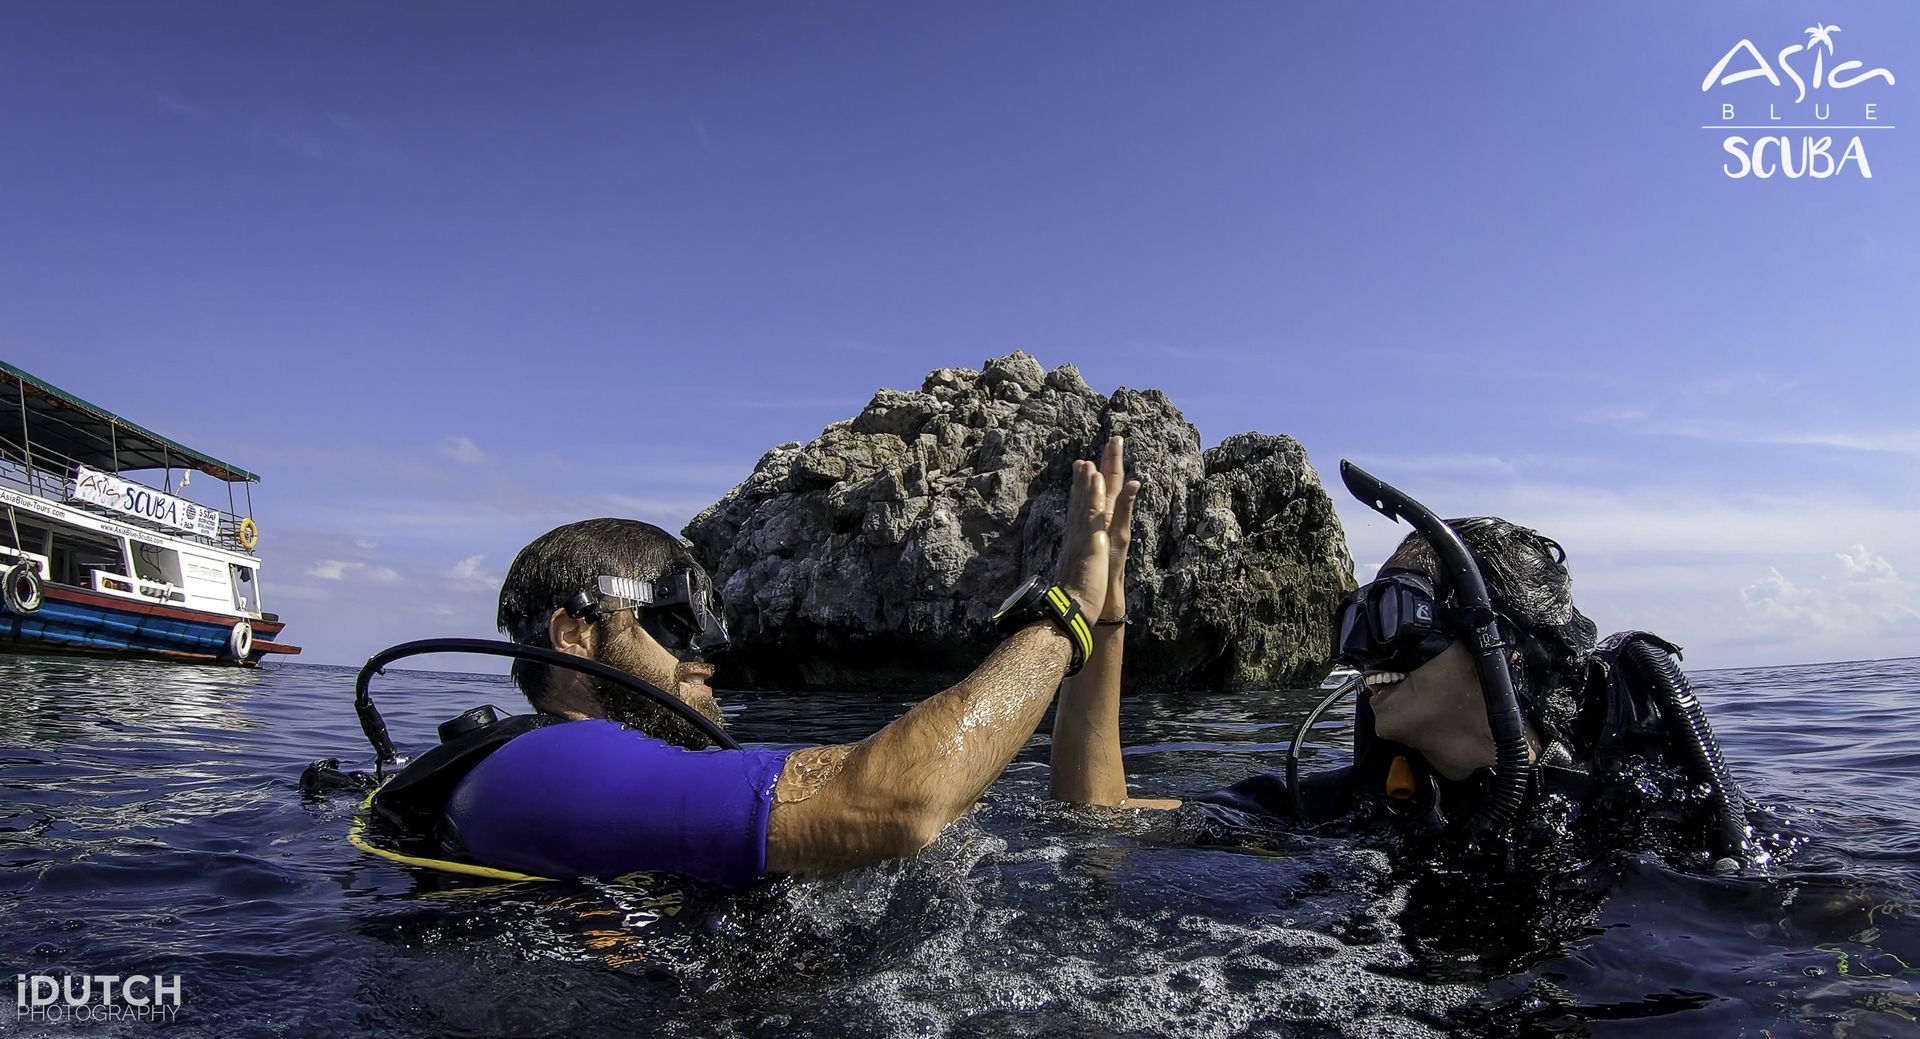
x=249 y=534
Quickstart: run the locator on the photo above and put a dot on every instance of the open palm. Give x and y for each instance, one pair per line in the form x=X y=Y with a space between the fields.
x=1121 y=493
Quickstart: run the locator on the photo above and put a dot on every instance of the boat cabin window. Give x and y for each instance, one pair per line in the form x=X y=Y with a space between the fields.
x=156 y=564
x=74 y=556
x=246 y=595
x=33 y=537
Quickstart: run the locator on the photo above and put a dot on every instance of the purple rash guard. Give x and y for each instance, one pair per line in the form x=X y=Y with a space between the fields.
x=592 y=798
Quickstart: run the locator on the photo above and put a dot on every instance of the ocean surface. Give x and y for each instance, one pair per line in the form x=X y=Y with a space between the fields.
x=151 y=823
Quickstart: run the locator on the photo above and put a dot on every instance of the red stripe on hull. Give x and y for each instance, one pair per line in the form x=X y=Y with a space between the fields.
x=88 y=597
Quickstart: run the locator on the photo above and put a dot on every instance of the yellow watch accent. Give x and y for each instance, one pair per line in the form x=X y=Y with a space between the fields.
x=1073 y=618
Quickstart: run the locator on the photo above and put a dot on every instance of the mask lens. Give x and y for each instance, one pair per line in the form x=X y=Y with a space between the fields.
x=669 y=628
x=684 y=619
x=713 y=636
x=1350 y=641
x=1390 y=624
x=1387 y=614
x=1350 y=619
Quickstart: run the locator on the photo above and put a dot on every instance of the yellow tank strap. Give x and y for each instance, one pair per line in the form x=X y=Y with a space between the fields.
x=357 y=835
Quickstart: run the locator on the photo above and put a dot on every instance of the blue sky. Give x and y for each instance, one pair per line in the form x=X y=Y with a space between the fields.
x=450 y=275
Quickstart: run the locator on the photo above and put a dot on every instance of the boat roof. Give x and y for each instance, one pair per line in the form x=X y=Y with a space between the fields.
x=90 y=434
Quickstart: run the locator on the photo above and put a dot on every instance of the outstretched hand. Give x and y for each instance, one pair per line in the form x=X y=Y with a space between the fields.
x=1084 y=551
x=1121 y=493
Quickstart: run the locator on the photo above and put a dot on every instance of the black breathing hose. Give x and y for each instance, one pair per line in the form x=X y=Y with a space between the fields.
x=376 y=728
x=1651 y=667
x=1508 y=789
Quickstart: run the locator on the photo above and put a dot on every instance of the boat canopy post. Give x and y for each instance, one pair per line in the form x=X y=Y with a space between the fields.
x=26 y=440
x=113 y=438
x=249 y=501
x=230 y=509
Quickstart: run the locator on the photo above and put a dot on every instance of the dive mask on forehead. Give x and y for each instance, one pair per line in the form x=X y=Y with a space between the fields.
x=1394 y=623
x=678 y=609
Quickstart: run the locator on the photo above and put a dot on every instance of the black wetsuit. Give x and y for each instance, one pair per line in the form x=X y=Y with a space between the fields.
x=1633 y=776
x=1633 y=783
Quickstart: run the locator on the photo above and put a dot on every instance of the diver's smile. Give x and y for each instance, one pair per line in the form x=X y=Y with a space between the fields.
x=1382 y=684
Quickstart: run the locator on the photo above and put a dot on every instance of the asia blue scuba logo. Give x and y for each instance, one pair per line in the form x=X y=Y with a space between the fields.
x=1793 y=117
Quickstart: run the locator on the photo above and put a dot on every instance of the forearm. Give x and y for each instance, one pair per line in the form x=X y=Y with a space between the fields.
x=1086 y=765
x=888 y=795
x=943 y=754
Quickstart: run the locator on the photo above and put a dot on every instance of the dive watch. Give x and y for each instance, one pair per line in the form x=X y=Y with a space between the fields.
x=1038 y=600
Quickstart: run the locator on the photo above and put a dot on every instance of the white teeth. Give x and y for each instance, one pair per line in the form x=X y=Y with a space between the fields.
x=1380 y=678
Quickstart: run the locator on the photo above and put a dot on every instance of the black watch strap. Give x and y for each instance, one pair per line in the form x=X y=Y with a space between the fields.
x=1037 y=600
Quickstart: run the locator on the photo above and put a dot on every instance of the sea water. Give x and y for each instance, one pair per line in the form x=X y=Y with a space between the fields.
x=151 y=825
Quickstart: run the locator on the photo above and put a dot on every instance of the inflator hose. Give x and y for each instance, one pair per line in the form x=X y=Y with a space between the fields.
x=1651 y=667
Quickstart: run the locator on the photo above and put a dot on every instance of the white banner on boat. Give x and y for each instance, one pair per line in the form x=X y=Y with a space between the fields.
x=110 y=491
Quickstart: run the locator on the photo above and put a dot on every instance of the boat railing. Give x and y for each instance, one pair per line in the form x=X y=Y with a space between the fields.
x=50 y=475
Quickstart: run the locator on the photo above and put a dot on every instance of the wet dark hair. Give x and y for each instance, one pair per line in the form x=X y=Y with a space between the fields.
x=564 y=562
x=1527 y=576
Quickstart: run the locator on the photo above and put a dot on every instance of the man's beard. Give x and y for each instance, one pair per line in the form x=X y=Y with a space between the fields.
x=641 y=712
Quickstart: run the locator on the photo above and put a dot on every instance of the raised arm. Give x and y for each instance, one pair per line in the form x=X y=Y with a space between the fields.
x=891 y=794
x=1087 y=767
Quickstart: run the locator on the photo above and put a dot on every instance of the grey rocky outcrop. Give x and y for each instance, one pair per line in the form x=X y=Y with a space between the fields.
x=873 y=556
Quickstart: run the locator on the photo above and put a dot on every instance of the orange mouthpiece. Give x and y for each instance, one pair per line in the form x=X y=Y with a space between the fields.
x=1400 y=780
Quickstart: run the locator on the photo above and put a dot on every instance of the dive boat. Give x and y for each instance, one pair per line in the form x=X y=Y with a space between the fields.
x=1338 y=678
x=92 y=561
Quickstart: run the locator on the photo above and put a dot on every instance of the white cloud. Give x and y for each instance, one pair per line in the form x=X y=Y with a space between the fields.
x=1860 y=562
x=469 y=570
x=332 y=569
x=1739 y=580
x=1861 y=596
x=462 y=449
x=339 y=569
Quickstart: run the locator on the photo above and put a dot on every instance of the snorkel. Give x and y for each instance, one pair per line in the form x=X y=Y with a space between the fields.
x=1474 y=608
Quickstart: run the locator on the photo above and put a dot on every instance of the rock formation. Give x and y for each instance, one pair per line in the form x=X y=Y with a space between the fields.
x=874 y=556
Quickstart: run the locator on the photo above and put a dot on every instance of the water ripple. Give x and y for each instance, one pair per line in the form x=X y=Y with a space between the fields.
x=149 y=823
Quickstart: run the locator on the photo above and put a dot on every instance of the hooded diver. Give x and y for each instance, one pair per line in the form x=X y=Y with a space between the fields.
x=1485 y=696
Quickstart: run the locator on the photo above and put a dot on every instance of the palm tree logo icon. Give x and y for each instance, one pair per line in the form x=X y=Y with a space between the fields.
x=1821 y=36
x=1818 y=35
